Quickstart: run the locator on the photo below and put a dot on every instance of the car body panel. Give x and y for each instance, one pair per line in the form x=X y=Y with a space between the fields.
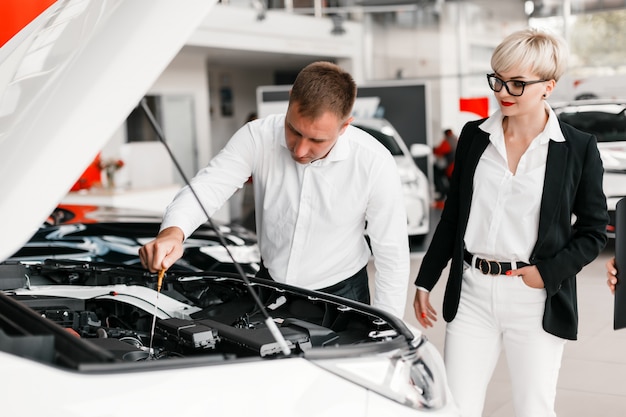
x=346 y=361
x=198 y=390
x=414 y=182
x=56 y=89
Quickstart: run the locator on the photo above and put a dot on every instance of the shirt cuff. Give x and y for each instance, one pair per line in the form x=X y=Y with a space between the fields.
x=422 y=289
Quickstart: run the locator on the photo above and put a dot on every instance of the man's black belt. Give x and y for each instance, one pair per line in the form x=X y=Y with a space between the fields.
x=491 y=267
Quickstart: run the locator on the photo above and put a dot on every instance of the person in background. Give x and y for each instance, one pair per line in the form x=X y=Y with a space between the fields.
x=520 y=177
x=444 y=165
x=318 y=181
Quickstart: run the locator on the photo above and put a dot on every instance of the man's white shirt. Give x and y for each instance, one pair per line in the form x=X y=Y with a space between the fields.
x=310 y=217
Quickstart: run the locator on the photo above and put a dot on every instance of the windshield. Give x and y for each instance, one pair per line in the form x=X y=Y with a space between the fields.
x=388 y=141
x=608 y=125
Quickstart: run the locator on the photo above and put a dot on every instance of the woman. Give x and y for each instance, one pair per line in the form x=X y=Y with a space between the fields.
x=524 y=214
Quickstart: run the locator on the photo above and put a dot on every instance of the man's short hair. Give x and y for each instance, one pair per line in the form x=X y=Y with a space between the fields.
x=321 y=87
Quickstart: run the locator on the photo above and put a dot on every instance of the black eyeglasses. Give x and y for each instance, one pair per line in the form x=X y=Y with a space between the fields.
x=514 y=87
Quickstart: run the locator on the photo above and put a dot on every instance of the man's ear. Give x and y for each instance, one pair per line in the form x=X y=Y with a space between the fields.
x=345 y=124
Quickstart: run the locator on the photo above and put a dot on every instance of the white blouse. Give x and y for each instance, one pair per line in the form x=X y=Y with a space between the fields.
x=504 y=214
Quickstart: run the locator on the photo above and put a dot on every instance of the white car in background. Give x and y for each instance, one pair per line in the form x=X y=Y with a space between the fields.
x=414 y=181
x=606 y=119
x=81 y=338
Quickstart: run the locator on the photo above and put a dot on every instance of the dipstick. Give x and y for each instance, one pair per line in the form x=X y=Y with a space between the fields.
x=160 y=280
x=156 y=308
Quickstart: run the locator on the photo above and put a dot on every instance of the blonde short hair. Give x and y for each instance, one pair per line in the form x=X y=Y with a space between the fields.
x=539 y=52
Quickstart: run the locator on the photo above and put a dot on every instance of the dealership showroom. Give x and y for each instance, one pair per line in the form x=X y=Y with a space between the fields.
x=109 y=108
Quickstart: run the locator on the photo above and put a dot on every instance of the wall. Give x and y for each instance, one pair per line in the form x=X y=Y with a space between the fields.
x=450 y=52
x=238 y=29
x=243 y=83
x=186 y=75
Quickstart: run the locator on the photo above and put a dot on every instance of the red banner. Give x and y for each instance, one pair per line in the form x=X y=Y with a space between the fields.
x=16 y=14
x=478 y=105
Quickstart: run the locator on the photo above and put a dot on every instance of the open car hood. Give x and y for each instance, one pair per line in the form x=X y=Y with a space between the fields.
x=67 y=81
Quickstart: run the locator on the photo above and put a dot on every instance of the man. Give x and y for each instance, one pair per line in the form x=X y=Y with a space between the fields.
x=318 y=181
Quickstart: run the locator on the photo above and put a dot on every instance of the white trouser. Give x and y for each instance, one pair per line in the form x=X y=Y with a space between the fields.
x=494 y=312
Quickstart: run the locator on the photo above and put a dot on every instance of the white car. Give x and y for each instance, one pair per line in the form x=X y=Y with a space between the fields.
x=80 y=338
x=606 y=119
x=414 y=181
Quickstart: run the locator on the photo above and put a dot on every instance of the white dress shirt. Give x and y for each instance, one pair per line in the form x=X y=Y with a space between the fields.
x=504 y=215
x=311 y=218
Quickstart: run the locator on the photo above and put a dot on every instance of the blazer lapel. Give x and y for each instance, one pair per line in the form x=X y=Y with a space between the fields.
x=554 y=184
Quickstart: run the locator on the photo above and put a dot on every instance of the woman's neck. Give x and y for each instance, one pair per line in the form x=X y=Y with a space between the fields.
x=524 y=128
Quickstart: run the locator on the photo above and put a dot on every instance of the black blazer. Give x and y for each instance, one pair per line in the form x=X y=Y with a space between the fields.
x=572 y=186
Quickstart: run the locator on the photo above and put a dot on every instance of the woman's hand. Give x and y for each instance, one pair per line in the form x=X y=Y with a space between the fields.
x=424 y=312
x=530 y=275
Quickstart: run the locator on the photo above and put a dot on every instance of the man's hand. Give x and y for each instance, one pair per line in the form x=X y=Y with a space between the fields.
x=424 y=312
x=163 y=251
x=611 y=274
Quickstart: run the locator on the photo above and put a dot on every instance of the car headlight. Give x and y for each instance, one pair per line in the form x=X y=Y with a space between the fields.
x=412 y=376
x=411 y=181
x=409 y=177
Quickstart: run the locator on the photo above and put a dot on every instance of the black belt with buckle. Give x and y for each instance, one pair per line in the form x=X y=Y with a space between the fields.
x=491 y=267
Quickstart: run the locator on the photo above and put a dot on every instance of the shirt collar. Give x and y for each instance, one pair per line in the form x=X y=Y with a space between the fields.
x=552 y=131
x=554 y=128
x=340 y=151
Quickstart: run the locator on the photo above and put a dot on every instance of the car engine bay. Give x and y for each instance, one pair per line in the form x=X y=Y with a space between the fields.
x=219 y=317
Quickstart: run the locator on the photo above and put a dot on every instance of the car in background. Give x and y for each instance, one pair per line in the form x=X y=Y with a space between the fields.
x=414 y=181
x=76 y=332
x=114 y=235
x=606 y=119
x=588 y=87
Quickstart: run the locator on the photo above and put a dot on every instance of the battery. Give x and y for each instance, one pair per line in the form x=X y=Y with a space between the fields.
x=189 y=333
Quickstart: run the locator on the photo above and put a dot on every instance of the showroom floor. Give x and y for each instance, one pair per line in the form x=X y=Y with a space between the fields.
x=593 y=374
